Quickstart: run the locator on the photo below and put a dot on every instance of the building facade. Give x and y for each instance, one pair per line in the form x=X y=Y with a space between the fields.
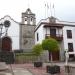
x=10 y=40
x=24 y=35
x=62 y=31
x=20 y=35
x=27 y=27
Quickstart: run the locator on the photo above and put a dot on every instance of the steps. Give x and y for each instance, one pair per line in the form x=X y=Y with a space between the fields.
x=3 y=66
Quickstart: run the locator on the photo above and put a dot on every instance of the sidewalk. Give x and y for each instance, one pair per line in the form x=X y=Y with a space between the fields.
x=21 y=71
x=16 y=71
x=42 y=70
x=29 y=69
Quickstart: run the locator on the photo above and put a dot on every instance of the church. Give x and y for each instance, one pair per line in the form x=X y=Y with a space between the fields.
x=9 y=41
x=20 y=35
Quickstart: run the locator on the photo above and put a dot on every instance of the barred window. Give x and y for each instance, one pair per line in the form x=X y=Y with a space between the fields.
x=70 y=47
x=69 y=34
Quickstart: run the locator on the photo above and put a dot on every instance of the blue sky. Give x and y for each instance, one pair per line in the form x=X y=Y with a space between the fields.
x=64 y=9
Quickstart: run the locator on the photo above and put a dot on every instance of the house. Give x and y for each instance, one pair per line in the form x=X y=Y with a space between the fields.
x=62 y=31
x=9 y=37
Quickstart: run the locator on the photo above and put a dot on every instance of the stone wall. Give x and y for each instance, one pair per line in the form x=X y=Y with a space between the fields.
x=27 y=39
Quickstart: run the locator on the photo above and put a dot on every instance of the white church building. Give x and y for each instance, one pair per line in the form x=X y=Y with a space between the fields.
x=10 y=40
x=19 y=35
x=62 y=31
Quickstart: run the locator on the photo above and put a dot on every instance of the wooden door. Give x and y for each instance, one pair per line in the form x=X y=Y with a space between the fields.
x=6 y=44
x=52 y=32
x=55 y=56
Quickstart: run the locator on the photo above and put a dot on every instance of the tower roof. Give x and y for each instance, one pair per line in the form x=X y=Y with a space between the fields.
x=28 y=11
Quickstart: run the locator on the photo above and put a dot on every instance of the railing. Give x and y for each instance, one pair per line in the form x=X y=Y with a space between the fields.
x=58 y=37
x=26 y=58
x=20 y=58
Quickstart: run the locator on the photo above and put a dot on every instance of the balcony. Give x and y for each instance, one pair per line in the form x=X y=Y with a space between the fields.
x=58 y=37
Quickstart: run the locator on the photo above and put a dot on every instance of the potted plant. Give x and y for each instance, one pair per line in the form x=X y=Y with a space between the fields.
x=37 y=50
x=51 y=45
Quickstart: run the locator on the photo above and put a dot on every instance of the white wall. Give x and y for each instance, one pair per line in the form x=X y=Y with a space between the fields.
x=13 y=32
x=67 y=40
x=40 y=34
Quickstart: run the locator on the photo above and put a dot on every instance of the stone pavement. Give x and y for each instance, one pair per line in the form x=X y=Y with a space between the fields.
x=29 y=69
x=3 y=66
x=21 y=71
x=16 y=71
x=10 y=70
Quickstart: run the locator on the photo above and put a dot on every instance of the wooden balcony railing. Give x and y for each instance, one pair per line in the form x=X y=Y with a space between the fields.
x=58 y=37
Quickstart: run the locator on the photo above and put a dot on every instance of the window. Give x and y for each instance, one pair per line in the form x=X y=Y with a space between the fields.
x=52 y=31
x=31 y=22
x=70 y=47
x=25 y=20
x=69 y=34
x=37 y=37
x=31 y=19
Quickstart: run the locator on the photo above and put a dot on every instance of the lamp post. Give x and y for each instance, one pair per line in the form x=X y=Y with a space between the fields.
x=6 y=24
x=1 y=27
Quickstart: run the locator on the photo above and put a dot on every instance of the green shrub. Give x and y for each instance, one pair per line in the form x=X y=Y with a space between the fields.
x=37 y=49
x=25 y=57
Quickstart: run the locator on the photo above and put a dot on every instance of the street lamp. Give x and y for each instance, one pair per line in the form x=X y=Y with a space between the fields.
x=1 y=27
x=6 y=24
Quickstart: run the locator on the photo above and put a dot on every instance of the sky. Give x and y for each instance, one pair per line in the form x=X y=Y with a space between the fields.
x=63 y=9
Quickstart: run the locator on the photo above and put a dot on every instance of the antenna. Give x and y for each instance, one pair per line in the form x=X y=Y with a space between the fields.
x=50 y=9
x=54 y=9
x=46 y=9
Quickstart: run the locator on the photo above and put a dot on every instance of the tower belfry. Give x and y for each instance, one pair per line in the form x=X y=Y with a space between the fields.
x=27 y=28
x=28 y=17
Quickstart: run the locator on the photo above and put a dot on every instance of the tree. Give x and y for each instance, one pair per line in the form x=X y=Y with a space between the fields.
x=37 y=49
x=51 y=45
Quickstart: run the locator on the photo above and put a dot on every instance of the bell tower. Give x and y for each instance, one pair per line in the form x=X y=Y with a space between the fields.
x=28 y=17
x=27 y=28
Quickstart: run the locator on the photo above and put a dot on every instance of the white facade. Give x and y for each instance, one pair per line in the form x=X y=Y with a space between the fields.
x=42 y=31
x=67 y=40
x=13 y=31
x=41 y=35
